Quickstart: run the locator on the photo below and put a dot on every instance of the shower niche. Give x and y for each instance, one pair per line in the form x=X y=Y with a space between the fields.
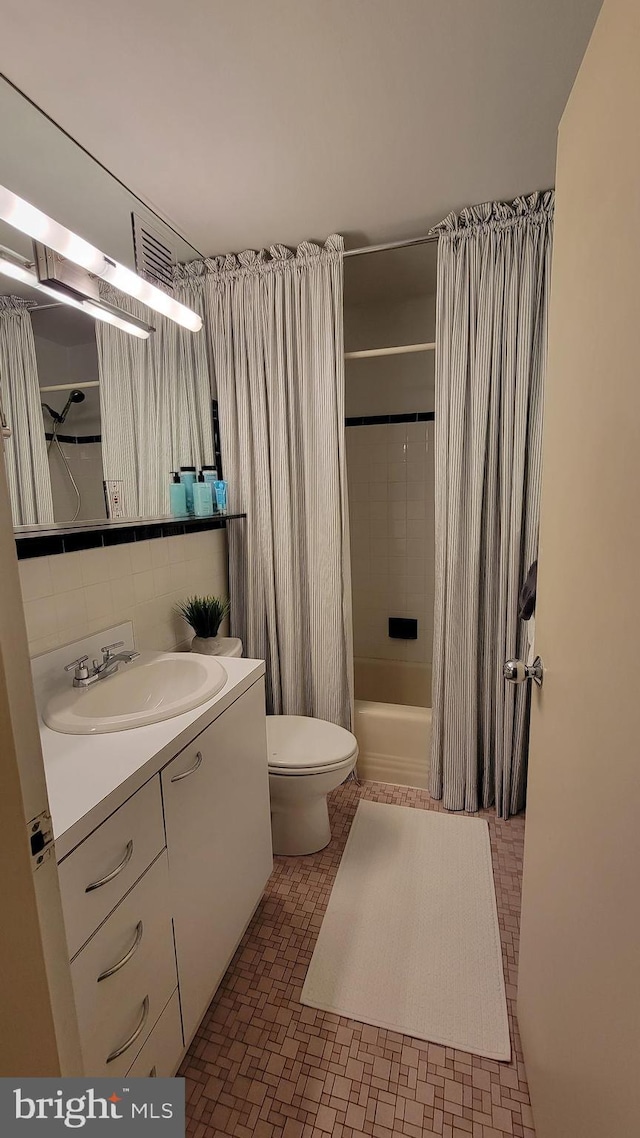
x=389 y=315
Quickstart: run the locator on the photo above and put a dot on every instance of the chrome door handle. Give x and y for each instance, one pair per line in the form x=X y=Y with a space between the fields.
x=127 y=956
x=114 y=872
x=192 y=770
x=516 y=671
x=132 y=1038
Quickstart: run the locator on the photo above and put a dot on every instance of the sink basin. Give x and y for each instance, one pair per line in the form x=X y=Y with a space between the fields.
x=156 y=686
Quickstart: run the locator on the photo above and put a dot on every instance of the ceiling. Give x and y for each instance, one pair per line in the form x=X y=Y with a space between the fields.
x=63 y=325
x=245 y=122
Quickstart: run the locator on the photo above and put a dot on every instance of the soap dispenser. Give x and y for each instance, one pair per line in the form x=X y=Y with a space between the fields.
x=177 y=496
x=188 y=478
x=202 y=498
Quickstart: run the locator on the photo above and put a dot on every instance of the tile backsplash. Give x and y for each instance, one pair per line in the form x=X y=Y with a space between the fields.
x=71 y=595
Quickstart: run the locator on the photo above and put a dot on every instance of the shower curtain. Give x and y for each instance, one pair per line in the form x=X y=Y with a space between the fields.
x=155 y=405
x=274 y=323
x=493 y=292
x=26 y=449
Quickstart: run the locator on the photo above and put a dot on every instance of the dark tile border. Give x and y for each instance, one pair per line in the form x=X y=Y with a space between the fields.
x=45 y=545
x=216 y=437
x=78 y=439
x=377 y=420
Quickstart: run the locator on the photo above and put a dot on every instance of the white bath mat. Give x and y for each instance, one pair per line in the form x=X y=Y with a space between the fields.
x=410 y=938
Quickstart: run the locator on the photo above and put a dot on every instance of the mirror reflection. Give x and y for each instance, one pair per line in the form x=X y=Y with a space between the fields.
x=67 y=364
x=98 y=418
x=102 y=396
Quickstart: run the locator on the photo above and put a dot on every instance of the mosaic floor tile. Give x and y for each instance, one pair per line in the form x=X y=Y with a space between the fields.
x=264 y=1066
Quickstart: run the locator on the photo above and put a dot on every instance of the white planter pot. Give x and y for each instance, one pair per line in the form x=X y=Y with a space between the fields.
x=207 y=646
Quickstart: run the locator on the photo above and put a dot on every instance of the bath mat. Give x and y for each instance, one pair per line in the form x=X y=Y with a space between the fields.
x=410 y=939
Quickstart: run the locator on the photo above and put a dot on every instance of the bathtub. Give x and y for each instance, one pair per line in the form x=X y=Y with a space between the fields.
x=392 y=721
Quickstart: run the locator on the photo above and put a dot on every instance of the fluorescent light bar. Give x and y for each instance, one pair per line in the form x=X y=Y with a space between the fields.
x=108 y=316
x=21 y=273
x=32 y=221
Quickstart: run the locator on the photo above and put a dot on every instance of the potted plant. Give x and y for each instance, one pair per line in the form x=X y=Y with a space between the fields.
x=204 y=615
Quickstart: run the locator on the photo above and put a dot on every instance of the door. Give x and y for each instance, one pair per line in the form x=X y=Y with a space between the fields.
x=579 y=986
x=216 y=804
x=38 y=1029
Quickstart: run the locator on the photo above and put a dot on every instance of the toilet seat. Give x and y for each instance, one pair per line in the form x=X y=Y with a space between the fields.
x=301 y=745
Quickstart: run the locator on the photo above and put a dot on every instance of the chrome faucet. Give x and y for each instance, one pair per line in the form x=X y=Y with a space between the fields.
x=83 y=676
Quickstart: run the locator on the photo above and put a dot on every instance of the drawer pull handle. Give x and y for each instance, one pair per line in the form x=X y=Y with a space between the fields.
x=114 y=872
x=153 y=1073
x=132 y=1038
x=192 y=770
x=127 y=956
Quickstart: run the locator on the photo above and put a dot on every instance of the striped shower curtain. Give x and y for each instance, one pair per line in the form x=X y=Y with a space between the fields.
x=274 y=324
x=25 y=450
x=493 y=291
x=155 y=405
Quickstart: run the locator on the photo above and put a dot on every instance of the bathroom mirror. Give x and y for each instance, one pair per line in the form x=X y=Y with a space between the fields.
x=74 y=389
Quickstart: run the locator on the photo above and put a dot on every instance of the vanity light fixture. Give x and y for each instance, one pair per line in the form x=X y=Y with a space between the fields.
x=11 y=265
x=36 y=224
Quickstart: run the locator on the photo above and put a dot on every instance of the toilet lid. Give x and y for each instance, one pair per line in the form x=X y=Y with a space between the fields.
x=302 y=743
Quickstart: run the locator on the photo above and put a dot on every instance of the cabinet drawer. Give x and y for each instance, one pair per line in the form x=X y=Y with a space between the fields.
x=162 y=1052
x=104 y=867
x=124 y=976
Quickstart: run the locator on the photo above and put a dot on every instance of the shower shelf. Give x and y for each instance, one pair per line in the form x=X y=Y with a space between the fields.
x=45 y=541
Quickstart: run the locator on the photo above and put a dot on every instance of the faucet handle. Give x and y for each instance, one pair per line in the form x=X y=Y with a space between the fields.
x=78 y=664
x=107 y=652
x=107 y=648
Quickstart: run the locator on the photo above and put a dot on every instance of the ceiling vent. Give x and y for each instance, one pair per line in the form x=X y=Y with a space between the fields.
x=154 y=258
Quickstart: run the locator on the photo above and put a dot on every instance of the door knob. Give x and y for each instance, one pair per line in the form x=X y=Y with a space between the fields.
x=516 y=671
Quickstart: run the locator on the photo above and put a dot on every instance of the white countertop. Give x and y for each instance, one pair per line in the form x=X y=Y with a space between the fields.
x=90 y=776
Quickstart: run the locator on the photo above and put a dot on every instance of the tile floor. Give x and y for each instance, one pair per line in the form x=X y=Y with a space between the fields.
x=264 y=1066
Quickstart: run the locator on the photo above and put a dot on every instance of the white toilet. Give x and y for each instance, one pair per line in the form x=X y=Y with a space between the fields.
x=229 y=646
x=307 y=759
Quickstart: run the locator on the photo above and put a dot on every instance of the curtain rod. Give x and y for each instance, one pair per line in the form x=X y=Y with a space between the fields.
x=392 y=245
x=71 y=386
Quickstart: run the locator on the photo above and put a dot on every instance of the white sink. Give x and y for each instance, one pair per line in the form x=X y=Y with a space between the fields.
x=156 y=686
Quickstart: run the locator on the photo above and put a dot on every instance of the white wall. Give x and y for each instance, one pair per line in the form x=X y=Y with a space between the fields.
x=85 y=463
x=387 y=385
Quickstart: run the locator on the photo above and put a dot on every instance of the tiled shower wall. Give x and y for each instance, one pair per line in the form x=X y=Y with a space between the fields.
x=390 y=473
x=391 y=478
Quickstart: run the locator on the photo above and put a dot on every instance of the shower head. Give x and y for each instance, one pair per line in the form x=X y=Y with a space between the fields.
x=74 y=397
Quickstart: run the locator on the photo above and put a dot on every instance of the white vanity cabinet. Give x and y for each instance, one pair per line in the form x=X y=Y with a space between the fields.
x=156 y=898
x=216 y=805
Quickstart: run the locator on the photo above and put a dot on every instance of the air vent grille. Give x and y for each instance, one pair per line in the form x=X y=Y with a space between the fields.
x=154 y=258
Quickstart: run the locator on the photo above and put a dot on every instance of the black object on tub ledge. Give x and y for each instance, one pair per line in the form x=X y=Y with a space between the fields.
x=403 y=628
x=44 y=541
